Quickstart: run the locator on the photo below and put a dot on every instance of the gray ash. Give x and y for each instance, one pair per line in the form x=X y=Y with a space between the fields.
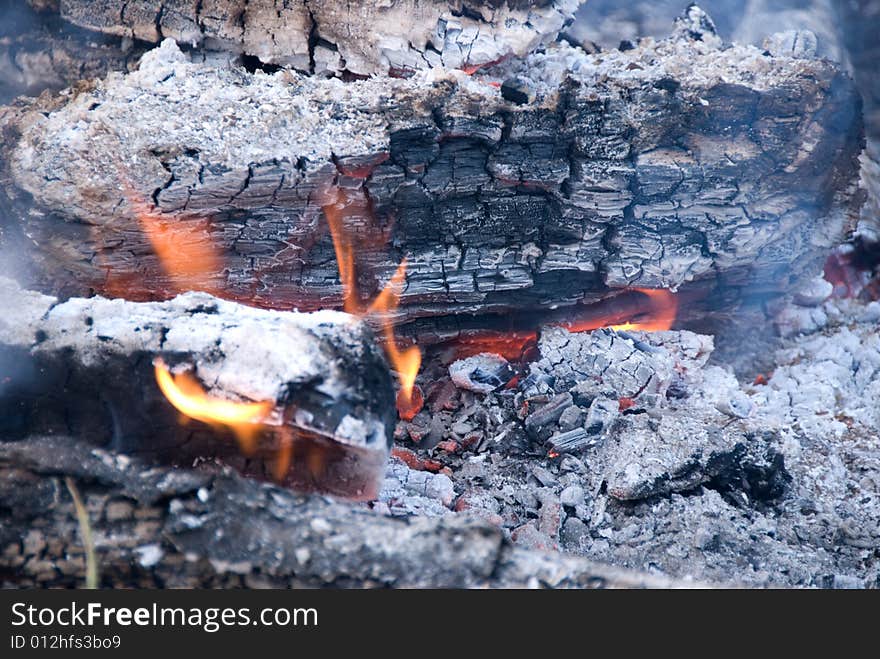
x=690 y=473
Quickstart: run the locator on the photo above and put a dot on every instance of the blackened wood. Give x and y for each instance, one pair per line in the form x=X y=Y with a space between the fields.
x=39 y=51
x=727 y=173
x=161 y=527
x=87 y=367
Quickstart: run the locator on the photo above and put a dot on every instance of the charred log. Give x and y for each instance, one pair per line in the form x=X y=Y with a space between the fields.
x=673 y=164
x=161 y=527
x=88 y=367
x=331 y=37
x=39 y=52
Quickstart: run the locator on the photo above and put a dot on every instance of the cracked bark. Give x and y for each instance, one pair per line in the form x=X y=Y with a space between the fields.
x=362 y=38
x=725 y=173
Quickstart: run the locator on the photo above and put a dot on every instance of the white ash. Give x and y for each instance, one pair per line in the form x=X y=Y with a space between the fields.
x=409 y=491
x=760 y=484
x=792 y=43
x=243 y=336
x=813 y=292
x=22 y=311
x=676 y=57
x=635 y=365
x=359 y=433
x=796 y=320
x=149 y=555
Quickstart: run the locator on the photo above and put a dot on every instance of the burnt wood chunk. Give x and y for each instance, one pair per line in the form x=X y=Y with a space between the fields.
x=209 y=527
x=330 y=36
x=731 y=183
x=88 y=367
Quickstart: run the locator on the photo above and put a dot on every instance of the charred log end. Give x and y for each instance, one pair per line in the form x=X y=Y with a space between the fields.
x=89 y=368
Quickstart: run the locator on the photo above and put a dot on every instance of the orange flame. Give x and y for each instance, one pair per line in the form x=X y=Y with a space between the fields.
x=187 y=395
x=513 y=345
x=661 y=313
x=658 y=315
x=342 y=245
x=404 y=361
x=182 y=245
x=187 y=257
x=656 y=312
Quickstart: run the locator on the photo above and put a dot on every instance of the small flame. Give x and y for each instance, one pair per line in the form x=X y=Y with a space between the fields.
x=182 y=245
x=405 y=361
x=281 y=465
x=184 y=250
x=334 y=207
x=187 y=395
x=651 y=310
x=661 y=313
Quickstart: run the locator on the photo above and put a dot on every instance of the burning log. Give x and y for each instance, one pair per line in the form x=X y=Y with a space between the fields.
x=308 y=396
x=840 y=31
x=725 y=173
x=361 y=38
x=161 y=527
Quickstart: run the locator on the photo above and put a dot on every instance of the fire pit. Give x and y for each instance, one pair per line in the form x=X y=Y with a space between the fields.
x=529 y=310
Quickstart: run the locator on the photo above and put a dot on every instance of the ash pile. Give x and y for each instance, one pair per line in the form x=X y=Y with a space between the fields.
x=640 y=449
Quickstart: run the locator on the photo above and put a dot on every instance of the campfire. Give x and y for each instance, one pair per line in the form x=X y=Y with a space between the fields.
x=325 y=295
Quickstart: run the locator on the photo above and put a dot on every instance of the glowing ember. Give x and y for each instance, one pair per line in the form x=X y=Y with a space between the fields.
x=662 y=309
x=657 y=315
x=650 y=310
x=187 y=395
x=512 y=346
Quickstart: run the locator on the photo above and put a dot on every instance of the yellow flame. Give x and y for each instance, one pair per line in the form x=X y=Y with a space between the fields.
x=405 y=361
x=657 y=315
x=187 y=395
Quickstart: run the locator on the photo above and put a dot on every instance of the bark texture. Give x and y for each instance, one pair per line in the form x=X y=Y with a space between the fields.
x=674 y=163
x=333 y=36
x=844 y=32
